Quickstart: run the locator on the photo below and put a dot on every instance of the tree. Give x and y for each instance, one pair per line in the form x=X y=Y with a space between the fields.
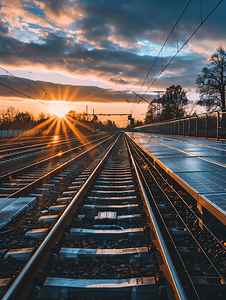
x=151 y=117
x=171 y=105
x=211 y=83
x=110 y=126
x=138 y=123
x=11 y=114
x=41 y=116
x=23 y=117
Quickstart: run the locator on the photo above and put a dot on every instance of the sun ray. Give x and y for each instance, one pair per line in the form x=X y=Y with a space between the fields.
x=58 y=126
x=75 y=130
x=51 y=126
x=49 y=91
x=43 y=124
x=80 y=123
x=29 y=132
x=66 y=93
x=72 y=96
x=82 y=138
x=64 y=128
x=58 y=108
x=59 y=92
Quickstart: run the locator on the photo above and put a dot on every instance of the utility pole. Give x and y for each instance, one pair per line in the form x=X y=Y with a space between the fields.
x=158 y=103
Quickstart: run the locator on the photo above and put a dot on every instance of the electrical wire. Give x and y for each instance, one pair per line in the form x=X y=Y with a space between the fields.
x=150 y=85
x=15 y=90
x=202 y=22
x=176 y=24
x=19 y=79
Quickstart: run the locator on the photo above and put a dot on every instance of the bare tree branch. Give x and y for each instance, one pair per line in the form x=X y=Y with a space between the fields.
x=212 y=81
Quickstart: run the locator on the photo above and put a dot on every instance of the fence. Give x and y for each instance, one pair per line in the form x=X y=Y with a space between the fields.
x=209 y=125
x=18 y=132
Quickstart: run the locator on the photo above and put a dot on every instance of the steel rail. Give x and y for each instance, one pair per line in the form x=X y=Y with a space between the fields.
x=23 y=284
x=139 y=152
x=215 y=210
x=148 y=162
x=43 y=161
x=18 y=141
x=171 y=271
x=39 y=148
x=47 y=144
x=53 y=172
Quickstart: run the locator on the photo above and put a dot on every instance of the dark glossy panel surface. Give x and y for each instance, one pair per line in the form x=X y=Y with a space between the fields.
x=205 y=182
x=217 y=159
x=171 y=155
x=190 y=164
x=195 y=162
x=217 y=199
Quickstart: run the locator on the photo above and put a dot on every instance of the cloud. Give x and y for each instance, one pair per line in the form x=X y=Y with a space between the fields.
x=40 y=90
x=123 y=68
x=107 y=41
x=59 y=12
x=3 y=28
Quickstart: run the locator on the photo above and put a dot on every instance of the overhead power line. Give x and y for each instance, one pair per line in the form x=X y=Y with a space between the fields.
x=176 y=24
x=19 y=79
x=182 y=46
x=27 y=84
x=15 y=90
x=178 y=50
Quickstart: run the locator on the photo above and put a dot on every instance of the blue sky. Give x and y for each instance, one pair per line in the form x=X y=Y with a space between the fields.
x=107 y=44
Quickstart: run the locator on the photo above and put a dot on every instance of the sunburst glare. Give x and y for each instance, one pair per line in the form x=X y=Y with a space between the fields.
x=60 y=109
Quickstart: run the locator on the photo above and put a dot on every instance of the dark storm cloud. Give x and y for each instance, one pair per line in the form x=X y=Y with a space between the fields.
x=153 y=20
x=40 y=90
x=119 y=67
x=55 y=5
x=70 y=56
x=114 y=41
x=3 y=28
x=144 y=19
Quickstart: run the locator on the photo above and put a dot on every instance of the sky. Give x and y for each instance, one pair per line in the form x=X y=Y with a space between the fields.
x=96 y=53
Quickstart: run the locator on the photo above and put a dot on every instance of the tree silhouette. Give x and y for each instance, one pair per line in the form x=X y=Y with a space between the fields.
x=211 y=83
x=171 y=105
x=173 y=102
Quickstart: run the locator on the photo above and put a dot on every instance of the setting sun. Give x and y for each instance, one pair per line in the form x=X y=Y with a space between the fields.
x=60 y=109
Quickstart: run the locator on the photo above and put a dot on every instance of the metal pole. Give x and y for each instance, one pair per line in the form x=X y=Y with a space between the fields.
x=218 y=125
x=206 y=126
x=197 y=126
x=184 y=127
x=189 y=126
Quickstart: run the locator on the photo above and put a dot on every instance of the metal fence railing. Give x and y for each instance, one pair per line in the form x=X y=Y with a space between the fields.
x=209 y=125
x=18 y=132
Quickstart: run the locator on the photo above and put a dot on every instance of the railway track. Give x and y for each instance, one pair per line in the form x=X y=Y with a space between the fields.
x=113 y=234
x=198 y=248
x=118 y=216
x=50 y=158
x=37 y=178
x=41 y=142
x=21 y=141
x=12 y=155
x=32 y=140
